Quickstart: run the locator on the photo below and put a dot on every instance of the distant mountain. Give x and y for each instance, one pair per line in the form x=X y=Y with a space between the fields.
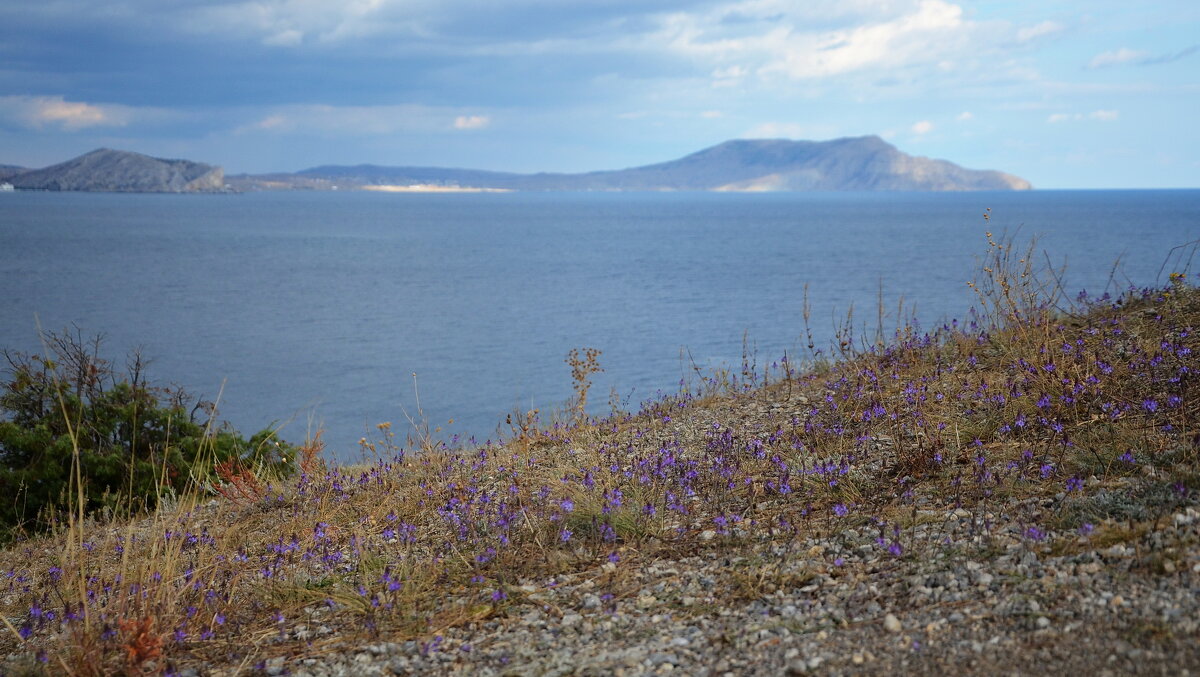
x=122 y=171
x=9 y=171
x=858 y=163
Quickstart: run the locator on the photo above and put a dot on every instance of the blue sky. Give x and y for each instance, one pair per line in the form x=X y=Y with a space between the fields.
x=1068 y=94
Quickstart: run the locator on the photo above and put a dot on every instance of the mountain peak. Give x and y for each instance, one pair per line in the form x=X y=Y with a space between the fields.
x=105 y=169
x=849 y=163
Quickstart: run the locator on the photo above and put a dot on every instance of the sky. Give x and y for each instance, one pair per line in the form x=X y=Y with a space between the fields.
x=1064 y=93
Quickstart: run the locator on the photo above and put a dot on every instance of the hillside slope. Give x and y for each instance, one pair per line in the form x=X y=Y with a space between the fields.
x=122 y=171
x=1017 y=495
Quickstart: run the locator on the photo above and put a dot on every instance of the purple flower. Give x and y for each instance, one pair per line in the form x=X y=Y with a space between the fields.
x=896 y=549
x=841 y=510
x=499 y=595
x=1034 y=534
x=1127 y=457
x=1074 y=483
x=1086 y=528
x=1150 y=405
x=567 y=505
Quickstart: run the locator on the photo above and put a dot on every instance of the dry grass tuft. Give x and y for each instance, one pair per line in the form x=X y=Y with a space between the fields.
x=1026 y=412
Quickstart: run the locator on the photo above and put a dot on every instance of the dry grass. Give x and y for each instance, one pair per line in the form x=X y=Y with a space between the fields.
x=1026 y=412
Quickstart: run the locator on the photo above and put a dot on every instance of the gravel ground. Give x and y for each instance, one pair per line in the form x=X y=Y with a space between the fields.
x=1007 y=585
x=1109 y=611
x=972 y=594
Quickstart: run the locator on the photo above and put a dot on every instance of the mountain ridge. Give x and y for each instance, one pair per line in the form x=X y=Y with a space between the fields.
x=748 y=165
x=866 y=163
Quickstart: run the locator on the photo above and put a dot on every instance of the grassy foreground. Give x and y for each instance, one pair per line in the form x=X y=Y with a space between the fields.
x=1030 y=430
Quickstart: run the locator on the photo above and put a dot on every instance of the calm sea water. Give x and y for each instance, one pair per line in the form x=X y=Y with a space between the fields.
x=317 y=308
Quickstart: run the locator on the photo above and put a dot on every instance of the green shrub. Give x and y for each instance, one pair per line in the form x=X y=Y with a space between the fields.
x=136 y=442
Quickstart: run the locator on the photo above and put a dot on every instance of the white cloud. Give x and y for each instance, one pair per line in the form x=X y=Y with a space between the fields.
x=359 y=120
x=922 y=127
x=1028 y=33
x=711 y=114
x=38 y=112
x=1117 y=57
x=729 y=77
x=730 y=72
x=286 y=38
x=775 y=130
x=964 y=116
x=471 y=121
x=287 y=23
x=1101 y=115
x=779 y=39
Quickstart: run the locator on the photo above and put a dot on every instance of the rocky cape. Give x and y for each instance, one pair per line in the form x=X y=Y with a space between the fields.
x=122 y=171
x=866 y=163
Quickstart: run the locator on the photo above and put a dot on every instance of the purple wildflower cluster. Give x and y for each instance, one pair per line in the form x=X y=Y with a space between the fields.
x=950 y=417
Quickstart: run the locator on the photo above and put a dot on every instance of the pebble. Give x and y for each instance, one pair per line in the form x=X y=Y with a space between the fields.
x=968 y=607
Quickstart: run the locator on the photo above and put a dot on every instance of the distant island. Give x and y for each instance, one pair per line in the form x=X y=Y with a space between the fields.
x=122 y=171
x=866 y=163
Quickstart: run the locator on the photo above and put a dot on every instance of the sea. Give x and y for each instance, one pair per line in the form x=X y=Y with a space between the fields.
x=339 y=311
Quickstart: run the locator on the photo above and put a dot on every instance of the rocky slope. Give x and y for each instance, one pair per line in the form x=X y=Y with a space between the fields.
x=8 y=171
x=122 y=171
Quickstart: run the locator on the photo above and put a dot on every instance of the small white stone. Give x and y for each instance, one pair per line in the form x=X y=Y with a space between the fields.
x=707 y=535
x=1043 y=622
x=892 y=624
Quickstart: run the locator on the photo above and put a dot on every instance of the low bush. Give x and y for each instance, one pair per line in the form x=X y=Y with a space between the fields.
x=135 y=442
